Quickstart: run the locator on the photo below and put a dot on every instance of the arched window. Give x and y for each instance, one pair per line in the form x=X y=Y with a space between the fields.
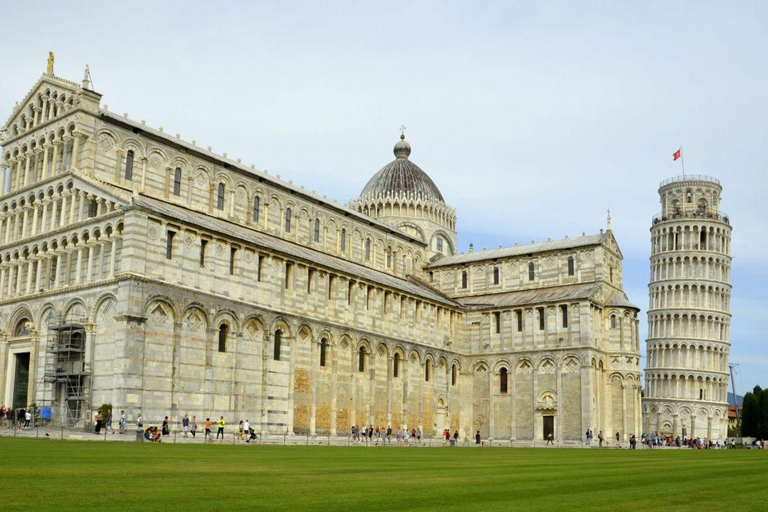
x=343 y=240
x=389 y=257
x=396 y=366
x=439 y=244
x=317 y=230
x=531 y=272
x=688 y=197
x=129 y=165
x=92 y=208
x=367 y=249
x=21 y=328
x=464 y=279
x=613 y=321
x=287 y=220
x=610 y=271
x=495 y=275
x=703 y=241
x=570 y=266
x=453 y=375
x=220 y=197
x=278 y=340
x=503 y=380
x=323 y=347
x=223 y=333
x=361 y=360
x=427 y=370
x=255 y=209
x=177 y=182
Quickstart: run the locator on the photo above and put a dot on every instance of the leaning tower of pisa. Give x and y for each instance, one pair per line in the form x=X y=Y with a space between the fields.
x=686 y=374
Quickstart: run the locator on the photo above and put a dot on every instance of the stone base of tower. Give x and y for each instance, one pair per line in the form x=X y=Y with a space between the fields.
x=687 y=418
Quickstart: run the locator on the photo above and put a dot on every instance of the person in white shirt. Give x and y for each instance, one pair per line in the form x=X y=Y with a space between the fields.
x=27 y=419
x=247 y=430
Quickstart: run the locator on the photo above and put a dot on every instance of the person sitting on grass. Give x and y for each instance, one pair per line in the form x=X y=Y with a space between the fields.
x=155 y=435
x=148 y=434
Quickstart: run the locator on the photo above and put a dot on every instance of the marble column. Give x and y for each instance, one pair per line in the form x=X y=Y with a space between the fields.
x=78 y=271
x=45 y=215
x=45 y=162
x=76 y=150
x=27 y=161
x=35 y=208
x=112 y=254
x=54 y=159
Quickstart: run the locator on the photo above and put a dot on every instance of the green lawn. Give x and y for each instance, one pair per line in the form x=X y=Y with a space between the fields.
x=81 y=475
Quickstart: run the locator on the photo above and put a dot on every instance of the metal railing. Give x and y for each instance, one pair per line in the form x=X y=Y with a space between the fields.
x=721 y=216
x=690 y=177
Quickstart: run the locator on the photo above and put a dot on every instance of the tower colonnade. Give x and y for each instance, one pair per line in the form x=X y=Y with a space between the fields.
x=686 y=374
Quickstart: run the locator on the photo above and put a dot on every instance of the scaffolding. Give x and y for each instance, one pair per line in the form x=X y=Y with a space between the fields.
x=67 y=373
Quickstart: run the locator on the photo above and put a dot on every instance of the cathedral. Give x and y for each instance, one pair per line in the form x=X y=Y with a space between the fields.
x=147 y=272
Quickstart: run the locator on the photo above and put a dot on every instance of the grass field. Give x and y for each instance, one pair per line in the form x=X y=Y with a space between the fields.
x=55 y=475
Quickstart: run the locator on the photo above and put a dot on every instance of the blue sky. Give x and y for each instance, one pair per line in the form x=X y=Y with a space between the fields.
x=533 y=118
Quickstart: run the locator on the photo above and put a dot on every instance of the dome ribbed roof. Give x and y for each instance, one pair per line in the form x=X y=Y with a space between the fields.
x=401 y=177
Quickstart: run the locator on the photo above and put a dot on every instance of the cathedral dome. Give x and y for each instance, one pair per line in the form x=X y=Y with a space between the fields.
x=401 y=177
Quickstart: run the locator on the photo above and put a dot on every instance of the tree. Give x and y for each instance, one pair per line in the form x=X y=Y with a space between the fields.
x=762 y=408
x=750 y=413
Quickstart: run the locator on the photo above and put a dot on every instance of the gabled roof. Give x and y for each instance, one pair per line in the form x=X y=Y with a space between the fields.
x=289 y=249
x=521 y=250
x=40 y=84
x=591 y=291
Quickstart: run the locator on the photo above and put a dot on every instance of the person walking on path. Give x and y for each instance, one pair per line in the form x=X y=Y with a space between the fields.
x=550 y=439
x=185 y=425
x=193 y=426
x=166 y=426
x=618 y=436
x=139 y=423
x=27 y=419
x=220 y=423
x=455 y=438
x=477 y=438
x=418 y=435
x=121 y=425
x=208 y=426
x=247 y=431
x=240 y=430
x=600 y=437
x=109 y=421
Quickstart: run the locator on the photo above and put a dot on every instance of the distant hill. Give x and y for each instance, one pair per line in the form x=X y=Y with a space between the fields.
x=738 y=397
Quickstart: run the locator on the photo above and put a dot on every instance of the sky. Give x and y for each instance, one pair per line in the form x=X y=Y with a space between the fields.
x=533 y=118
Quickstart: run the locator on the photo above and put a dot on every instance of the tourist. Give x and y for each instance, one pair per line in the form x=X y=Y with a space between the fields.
x=185 y=425
x=418 y=435
x=591 y=436
x=99 y=422
x=632 y=442
x=20 y=414
x=148 y=434
x=193 y=426
x=600 y=437
x=27 y=419
x=121 y=425
x=389 y=434
x=398 y=434
x=477 y=437
x=586 y=441
x=247 y=430
x=166 y=426
x=413 y=433
x=220 y=423
x=617 y=438
x=155 y=435
x=455 y=437
x=110 y=428
x=550 y=439
x=139 y=423
x=406 y=435
x=240 y=430
x=370 y=432
x=208 y=426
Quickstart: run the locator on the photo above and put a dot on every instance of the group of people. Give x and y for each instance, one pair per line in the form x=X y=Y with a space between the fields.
x=384 y=436
x=590 y=438
x=20 y=418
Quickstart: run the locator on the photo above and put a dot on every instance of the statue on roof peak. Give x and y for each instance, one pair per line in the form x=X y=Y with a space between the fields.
x=49 y=70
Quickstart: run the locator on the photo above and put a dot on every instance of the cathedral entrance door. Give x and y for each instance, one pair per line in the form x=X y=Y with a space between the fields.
x=21 y=380
x=549 y=426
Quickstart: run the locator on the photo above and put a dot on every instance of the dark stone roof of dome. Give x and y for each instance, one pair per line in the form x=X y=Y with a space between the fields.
x=402 y=177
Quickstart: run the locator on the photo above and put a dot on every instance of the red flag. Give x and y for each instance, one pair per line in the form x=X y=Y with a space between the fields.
x=677 y=154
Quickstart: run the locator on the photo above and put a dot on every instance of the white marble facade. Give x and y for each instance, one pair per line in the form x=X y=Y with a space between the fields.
x=207 y=287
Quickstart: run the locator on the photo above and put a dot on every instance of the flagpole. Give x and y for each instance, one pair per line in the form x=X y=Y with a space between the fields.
x=682 y=160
